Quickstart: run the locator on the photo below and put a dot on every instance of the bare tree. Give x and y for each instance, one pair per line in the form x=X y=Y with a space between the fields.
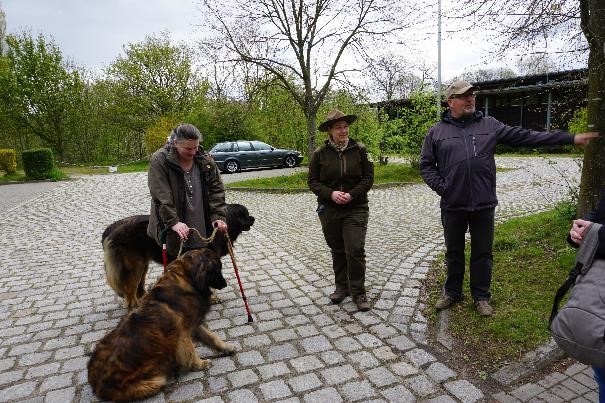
x=391 y=77
x=303 y=44
x=574 y=27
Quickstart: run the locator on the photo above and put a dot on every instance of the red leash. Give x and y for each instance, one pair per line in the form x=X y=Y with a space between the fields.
x=239 y=281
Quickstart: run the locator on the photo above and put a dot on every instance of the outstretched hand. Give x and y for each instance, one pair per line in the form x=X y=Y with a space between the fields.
x=582 y=139
x=220 y=225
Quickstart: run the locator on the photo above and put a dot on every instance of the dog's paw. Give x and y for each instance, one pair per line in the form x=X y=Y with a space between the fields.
x=200 y=364
x=228 y=348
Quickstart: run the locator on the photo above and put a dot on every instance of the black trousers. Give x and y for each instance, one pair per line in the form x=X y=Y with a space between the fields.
x=481 y=226
x=345 y=233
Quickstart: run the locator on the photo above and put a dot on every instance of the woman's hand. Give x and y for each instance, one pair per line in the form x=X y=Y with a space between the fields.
x=220 y=225
x=577 y=231
x=339 y=197
x=181 y=229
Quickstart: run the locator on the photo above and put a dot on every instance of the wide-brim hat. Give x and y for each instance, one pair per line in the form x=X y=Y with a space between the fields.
x=335 y=116
x=459 y=87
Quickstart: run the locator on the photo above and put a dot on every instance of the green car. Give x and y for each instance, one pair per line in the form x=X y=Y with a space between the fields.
x=233 y=156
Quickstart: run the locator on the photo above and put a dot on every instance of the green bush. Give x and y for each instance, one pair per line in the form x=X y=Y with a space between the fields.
x=8 y=161
x=38 y=163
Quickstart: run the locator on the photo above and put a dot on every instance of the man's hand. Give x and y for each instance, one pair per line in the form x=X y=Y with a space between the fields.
x=582 y=139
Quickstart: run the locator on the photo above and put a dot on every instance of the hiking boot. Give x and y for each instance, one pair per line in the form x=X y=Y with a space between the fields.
x=484 y=308
x=362 y=303
x=445 y=302
x=339 y=295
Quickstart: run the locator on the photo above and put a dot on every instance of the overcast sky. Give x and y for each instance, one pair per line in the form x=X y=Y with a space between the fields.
x=92 y=33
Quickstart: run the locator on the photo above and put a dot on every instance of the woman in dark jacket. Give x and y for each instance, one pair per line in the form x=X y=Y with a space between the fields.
x=575 y=239
x=186 y=192
x=341 y=175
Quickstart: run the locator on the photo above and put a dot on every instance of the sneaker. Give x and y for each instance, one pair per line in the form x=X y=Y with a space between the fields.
x=484 y=308
x=339 y=295
x=445 y=302
x=362 y=303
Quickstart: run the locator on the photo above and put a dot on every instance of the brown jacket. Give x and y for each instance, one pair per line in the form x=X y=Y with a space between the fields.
x=167 y=187
x=351 y=172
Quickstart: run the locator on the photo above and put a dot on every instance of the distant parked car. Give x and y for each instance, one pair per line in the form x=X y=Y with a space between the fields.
x=232 y=156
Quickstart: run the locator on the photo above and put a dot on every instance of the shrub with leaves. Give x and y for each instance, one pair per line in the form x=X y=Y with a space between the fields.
x=156 y=135
x=38 y=163
x=8 y=161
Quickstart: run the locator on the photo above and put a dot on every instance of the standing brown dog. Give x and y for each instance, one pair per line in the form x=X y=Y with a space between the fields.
x=153 y=342
x=128 y=250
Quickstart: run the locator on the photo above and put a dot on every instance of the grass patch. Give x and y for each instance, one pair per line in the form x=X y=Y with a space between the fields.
x=531 y=260
x=137 y=166
x=382 y=174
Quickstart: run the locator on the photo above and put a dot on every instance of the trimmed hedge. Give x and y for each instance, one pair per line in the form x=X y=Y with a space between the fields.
x=38 y=163
x=8 y=161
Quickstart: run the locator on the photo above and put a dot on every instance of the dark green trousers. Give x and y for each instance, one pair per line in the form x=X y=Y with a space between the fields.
x=345 y=233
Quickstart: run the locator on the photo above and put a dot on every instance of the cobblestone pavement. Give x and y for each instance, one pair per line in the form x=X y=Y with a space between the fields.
x=55 y=304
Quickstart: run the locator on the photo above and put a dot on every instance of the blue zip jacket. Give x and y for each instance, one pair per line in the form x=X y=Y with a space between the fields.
x=457 y=158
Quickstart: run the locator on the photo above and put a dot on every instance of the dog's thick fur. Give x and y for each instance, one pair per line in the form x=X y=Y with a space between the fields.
x=153 y=341
x=128 y=250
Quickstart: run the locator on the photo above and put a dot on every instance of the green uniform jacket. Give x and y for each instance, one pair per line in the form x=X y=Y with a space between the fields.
x=167 y=187
x=350 y=171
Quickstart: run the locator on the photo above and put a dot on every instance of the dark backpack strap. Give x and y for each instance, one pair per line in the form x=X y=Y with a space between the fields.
x=566 y=286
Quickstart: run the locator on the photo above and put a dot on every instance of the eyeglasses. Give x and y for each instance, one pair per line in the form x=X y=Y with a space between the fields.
x=472 y=95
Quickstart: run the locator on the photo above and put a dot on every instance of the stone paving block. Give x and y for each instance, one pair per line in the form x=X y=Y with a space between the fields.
x=242 y=395
x=43 y=370
x=10 y=376
x=369 y=340
x=284 y=335
x=213 y=399
x=18 y=391
x=403 y=369
x=7 y=363
x=323 y=395
x=381 y=376
x=303 y=383
x=242 y=377
x=307 y=330
x=503 y=397
x=464 y=390
x=60 y=395
x=355 y=391
x=401 y=343
x=34 y=359
x=221 y=365
x=282 y=352
x=398 y=394
x=257 y=341
x=385 y=353
x=575 y=386
x=563 y=392
x=575 y=368
x=421 y=385
x=419 y=357
x=275 y=390
x=217 y=384
x=306 y=363
x=441 y=399
x=586 y=380
x=277 y=369
x=340 y=374
x=316 y=344
x=347 y=344
x=187 y=392
x=527 y=391
x=248 y=358
x=363 y=359
x=332 y=357
x=439 y=372
x=552 y=379
x=581 y=399
x=333 y=331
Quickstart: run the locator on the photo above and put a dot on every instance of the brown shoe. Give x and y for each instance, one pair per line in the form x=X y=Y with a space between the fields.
x=339 y=295
x=484 y=308
x=362 y=303
x=446 y=302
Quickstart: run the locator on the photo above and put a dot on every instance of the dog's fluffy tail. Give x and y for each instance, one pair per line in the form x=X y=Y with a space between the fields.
x=136 y=391
x=112 y=267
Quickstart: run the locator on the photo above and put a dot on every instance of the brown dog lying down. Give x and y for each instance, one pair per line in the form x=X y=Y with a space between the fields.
x=154 y=340
x=128 y=250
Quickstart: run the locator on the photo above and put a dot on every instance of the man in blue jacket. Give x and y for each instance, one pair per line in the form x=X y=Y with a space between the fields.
x=457 y=162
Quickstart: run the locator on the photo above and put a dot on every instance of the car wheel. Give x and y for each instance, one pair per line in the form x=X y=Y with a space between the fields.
x=290 y=161
x=231 y=166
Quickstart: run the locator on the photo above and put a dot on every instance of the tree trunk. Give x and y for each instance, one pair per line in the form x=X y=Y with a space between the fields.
x=311 y=133
x=593 y=169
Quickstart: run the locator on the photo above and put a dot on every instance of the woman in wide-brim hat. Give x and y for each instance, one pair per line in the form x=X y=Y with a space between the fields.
x=341 y=175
